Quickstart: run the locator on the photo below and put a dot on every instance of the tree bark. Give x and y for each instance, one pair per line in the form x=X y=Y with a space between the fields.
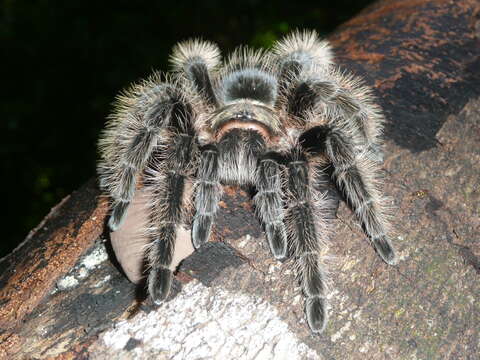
x=63 y=295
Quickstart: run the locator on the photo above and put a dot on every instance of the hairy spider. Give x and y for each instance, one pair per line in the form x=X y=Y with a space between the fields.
x=281 y=121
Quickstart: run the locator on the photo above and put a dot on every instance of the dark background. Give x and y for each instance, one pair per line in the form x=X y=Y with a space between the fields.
x=63 y=62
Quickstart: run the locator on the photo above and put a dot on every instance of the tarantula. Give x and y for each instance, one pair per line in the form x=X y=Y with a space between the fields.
x=282 y=122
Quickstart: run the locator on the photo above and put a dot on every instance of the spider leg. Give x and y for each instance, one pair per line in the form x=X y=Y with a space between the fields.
x=355 y=174
x=208 y=194
x=134 y=160
x=308 y=232
x=354 y=147
x=350 y=109
x=269 y=204
x=127 y=147
x=298 y=52
x=170 y=180
x=196 y=59
x=231 y=160
x=311 y=85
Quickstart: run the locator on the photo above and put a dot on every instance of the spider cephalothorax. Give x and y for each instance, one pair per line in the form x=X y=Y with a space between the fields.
x=281 y=122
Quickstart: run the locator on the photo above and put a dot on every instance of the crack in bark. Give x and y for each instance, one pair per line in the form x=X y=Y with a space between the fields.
x=466 y=253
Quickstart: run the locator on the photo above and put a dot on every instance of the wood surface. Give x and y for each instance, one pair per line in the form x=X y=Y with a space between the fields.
x=63 y=296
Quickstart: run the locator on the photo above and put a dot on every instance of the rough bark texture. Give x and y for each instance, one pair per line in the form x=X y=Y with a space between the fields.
x=63 y=297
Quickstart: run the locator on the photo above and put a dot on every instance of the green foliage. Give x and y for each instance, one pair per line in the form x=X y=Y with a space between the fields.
x=266 y=38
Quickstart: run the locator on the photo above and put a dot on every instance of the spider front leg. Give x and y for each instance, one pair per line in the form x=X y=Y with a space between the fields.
x=128 y=142
x=132 y=162
x=304 y=226
x=355 y=174
x=269 y=204
x=168 y=181
x=208 y=194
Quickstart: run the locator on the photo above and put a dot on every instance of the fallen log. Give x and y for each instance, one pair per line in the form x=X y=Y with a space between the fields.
x=63 y=296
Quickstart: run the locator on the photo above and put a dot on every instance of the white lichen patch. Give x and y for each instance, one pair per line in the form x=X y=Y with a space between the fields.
x=241 y=244
x=67 y=282
x=403 y=255
x=103 y=281
x=340 y=332
x=81 y=271
x=95 y=258
x=197 y=325
x=349 y=264
x=364 y=348
x=357 y=314
x=296 y=300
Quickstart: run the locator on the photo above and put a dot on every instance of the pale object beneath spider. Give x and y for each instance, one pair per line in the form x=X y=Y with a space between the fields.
x=129 y=242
